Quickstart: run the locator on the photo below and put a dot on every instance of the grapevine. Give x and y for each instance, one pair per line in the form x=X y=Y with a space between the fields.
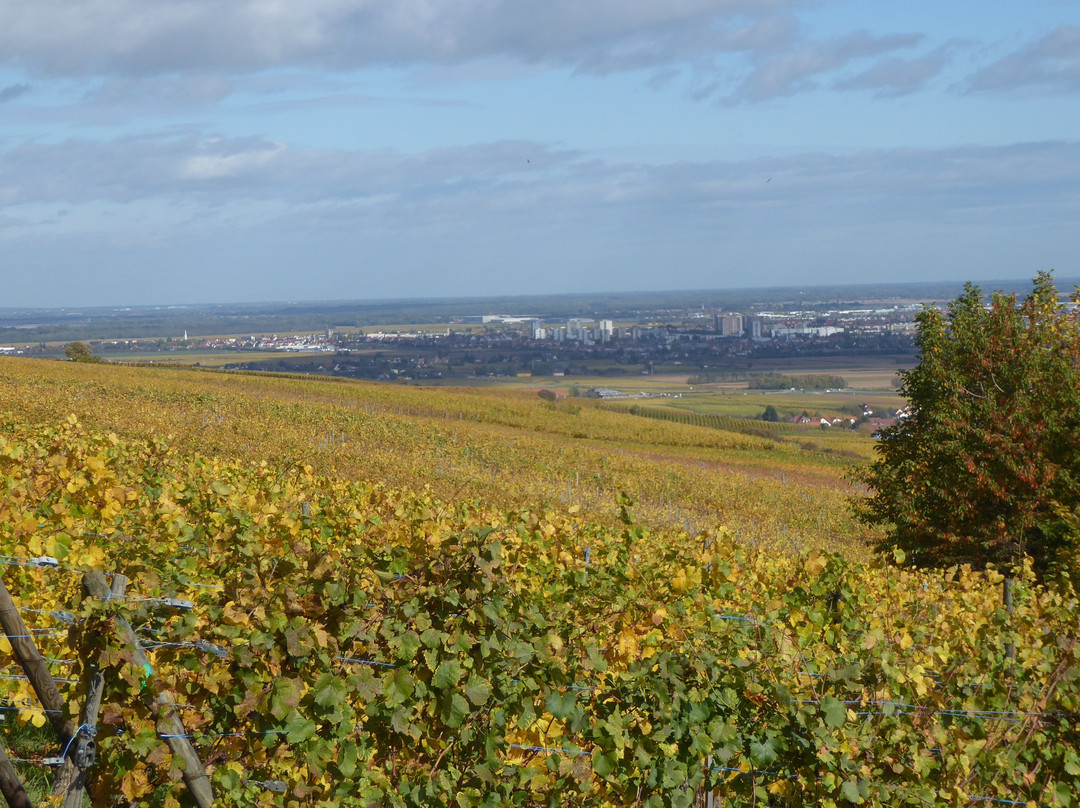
x=353 y=643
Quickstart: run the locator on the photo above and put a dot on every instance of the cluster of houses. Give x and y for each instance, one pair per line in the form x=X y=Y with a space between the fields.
x=876 y=421
x=806 y=420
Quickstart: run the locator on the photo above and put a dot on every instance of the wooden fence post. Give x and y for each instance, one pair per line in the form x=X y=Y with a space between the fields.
x=710 y=795
x=10 y=784
x=33 y=665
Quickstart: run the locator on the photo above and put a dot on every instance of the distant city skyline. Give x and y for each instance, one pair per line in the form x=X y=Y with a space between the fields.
x=191 y=152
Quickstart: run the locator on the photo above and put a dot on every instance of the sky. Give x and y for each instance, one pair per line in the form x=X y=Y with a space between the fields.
x=199 y=151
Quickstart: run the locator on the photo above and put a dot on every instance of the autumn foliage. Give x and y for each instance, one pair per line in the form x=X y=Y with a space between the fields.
x=351 y=645
x=986 y=470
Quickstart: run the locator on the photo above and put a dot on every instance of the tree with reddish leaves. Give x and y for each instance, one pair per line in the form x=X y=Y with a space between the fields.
x=987 y=468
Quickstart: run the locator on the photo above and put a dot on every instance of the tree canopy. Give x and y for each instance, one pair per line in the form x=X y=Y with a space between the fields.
x=987 y=468
x=78 y=352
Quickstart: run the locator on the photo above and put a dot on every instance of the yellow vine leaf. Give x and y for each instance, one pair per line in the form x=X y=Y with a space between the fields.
x=32 y=715
x=814 y=564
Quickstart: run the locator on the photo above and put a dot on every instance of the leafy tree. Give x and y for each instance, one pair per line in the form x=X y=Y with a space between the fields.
x=78 y=352
x=987 y=468
x=770 y=414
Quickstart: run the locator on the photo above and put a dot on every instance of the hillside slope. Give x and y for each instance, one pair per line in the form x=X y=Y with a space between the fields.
x=507 y=448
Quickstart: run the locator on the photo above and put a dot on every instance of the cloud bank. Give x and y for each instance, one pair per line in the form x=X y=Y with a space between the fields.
x=757 y=46
x=119 y=36
x=1050 y=63
x=739 y=50
x=501 y=178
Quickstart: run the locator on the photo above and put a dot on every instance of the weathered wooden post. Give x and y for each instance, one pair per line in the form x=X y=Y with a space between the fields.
x=710 y=795
x=10 y=784
x=33 y=665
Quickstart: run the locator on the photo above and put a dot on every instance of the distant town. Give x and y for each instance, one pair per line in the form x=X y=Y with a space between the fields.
x=720 y=335
x=701 y=342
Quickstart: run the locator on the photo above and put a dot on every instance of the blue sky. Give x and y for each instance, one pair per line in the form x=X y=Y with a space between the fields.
x=196 y=151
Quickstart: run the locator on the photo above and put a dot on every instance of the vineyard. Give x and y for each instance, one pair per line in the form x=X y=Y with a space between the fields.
x=725 y=422
x=510 y=449
x=314 y=625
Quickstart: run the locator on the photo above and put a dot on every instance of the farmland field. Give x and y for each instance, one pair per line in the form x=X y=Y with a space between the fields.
x=350 y=594
x=508 y=446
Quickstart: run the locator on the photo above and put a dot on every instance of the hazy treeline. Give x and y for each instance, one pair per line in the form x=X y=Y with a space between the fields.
x=808 y=381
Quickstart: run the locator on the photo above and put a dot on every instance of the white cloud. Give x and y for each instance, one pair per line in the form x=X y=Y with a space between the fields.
x=178 y=52
x=171 y=90
x=80 y=37
x=220 y=166
x=796 y=69
x=216 y=170
x=896 y=76
x=219 y=212
x=494 y=182
x=1051 y=63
